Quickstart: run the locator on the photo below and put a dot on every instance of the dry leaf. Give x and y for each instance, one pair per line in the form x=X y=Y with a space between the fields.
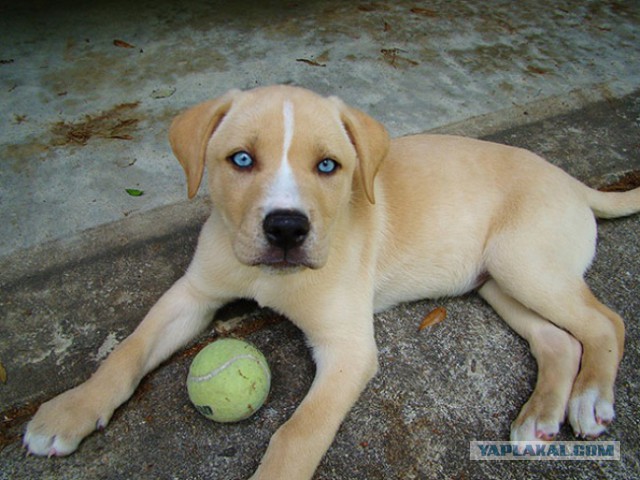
x=122 y=44
x=313 y=63
x=392 y=57
x=435 y=316
x=116 y=123
x=3 y=374
x=425 y=12
x=537 y=70
x=629 y=181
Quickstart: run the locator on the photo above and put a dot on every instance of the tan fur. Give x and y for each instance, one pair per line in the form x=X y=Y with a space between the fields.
x=434 y=218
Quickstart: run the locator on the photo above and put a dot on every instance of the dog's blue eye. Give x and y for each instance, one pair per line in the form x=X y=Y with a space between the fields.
x=327 y=166
x=242 y=160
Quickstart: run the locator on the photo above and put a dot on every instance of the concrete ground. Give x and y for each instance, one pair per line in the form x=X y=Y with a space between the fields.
x=85 y=117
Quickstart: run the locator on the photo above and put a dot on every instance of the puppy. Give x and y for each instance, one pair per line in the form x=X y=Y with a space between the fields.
x=319 y=216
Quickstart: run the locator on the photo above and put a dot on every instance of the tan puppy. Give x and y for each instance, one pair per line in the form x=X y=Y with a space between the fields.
x=309 y=220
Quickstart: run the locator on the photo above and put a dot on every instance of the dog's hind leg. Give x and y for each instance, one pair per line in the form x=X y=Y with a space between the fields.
x=538 y=255
x=557 y=354
x=591 y=404
x=552 y=291
x=601 y=333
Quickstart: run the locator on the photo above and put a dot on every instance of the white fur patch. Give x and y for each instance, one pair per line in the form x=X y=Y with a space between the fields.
x=584 y=411
x=287 y=113
x=283 y=192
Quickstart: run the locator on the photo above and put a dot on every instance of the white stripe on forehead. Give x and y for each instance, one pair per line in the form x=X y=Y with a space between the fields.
x=287 y=113
x=283 y=192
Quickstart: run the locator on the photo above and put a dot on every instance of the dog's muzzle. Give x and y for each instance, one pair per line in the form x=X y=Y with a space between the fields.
x=286 y=232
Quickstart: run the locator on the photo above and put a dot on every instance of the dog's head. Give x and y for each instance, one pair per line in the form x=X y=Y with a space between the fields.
x=284 y=164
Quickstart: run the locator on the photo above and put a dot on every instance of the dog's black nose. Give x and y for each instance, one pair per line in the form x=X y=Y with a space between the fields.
x=286 y=229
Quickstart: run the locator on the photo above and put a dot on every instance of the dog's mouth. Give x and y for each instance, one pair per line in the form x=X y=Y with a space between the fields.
x=285 y=260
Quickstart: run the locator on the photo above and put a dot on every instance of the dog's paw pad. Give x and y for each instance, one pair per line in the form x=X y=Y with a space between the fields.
x=546 y=435
x=603 y=422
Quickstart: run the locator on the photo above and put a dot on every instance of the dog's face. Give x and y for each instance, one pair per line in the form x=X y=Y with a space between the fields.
x=283 y=166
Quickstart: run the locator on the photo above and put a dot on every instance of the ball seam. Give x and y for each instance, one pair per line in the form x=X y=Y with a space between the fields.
x=227 y=364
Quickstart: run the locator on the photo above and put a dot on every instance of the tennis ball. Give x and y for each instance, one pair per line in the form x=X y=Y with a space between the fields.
x=228 y=380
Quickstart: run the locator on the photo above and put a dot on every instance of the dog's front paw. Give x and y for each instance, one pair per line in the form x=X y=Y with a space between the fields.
x=590 y=413
x=62 y=423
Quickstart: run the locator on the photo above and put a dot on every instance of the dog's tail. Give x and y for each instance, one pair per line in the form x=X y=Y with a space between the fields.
x=613 y=204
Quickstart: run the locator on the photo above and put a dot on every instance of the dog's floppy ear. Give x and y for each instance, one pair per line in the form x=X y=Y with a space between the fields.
x=371 y=141
x=190 y=132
